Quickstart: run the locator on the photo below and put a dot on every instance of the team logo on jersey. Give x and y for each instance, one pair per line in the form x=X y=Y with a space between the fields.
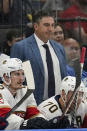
x=4 y=62
x=1 y=86
x=1 y=99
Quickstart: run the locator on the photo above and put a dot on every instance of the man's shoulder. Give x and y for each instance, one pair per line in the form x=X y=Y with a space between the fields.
x=26 y=40
x=56 y=45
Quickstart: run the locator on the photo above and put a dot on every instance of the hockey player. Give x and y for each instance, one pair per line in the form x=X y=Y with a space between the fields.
x=12 y=91
x=26 y=116
x=55 y=105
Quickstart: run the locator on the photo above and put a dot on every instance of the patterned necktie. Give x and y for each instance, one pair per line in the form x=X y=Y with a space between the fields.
x=51 y=79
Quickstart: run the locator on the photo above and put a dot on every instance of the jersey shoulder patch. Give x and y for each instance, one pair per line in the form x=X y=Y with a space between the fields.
x=1 y=87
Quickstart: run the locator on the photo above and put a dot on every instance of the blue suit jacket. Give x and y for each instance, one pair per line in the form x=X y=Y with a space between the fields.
x=27 y=49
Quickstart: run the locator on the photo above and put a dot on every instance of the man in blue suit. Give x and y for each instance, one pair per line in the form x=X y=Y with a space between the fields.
x=32 y=49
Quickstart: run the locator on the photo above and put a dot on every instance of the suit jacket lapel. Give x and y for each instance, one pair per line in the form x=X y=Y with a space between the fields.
x=60 y=55
x=37 y=54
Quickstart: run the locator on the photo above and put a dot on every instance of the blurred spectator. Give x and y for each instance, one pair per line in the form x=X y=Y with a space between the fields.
x=20 y=11
x=11 y=38
x=17 y=11
x=79 y=8
x=58 y=34
x=3 y=11
x=72 y=49
x=56 y=6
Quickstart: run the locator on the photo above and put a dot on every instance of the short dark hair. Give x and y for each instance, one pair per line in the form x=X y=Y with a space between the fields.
x=37 y=16
x=11 y=34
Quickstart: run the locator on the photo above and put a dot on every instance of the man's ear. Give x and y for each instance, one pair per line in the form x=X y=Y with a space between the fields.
x=35 y=26
x=6 y=78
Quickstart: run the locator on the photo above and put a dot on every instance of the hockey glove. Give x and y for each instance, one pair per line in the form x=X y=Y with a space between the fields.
x=3 y=123
x=58 y=123
x=35 y=123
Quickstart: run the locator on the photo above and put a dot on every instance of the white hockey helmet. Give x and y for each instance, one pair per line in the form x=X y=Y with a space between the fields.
x=85 y=94
x=9 y=65
x=68 y=84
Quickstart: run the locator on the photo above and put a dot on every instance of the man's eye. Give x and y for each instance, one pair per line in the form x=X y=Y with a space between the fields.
x=17 y=74
x=46 y=24
x=56 y=33
x=23 y=74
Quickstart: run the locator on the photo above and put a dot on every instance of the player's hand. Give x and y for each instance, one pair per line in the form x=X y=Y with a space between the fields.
x=59 y=123
x=41 y=123
x=35 y=123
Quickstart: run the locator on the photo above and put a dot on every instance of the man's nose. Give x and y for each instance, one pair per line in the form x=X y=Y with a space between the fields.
x=51 y=28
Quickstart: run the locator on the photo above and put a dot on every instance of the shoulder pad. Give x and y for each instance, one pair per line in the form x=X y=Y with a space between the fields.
x=1 y=86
